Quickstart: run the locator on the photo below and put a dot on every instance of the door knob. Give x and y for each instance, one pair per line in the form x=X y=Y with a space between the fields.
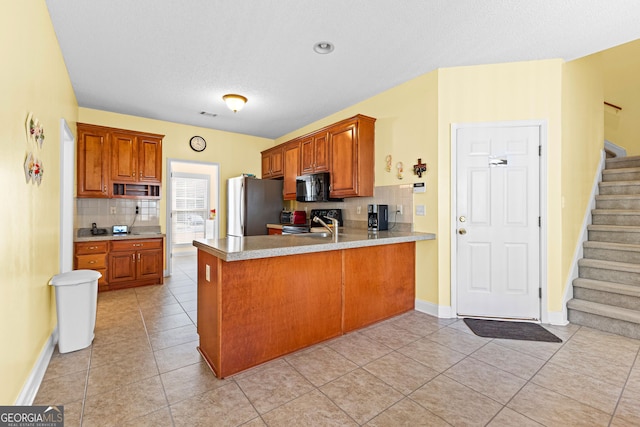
x=462 y=231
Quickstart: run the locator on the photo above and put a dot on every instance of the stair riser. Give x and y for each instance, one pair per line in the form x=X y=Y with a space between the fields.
x=613 y=219
x=619 y=189
x=602 y=297
x=622 y=176
x=614 y=237
x=614 y=326
x=618 y=204
x=612 y=255
x=624 y=277
x=618 y=164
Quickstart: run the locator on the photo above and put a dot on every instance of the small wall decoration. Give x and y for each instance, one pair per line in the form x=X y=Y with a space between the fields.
x=420 y=168
x=33 y=169
x=400 y=167
x=388 y=160
x=35 y=131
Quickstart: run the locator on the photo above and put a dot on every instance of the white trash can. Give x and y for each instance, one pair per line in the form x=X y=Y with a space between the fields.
x=76 y=300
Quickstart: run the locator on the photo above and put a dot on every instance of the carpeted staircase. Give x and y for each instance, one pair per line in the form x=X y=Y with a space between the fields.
x=606 y=295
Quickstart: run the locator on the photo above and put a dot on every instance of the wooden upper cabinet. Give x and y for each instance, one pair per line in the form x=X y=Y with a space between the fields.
x=351 y=157
x=273 y=163
x=291 y=169
x=93 y=162
x=150 y=159
x=118 y=163
x=315 y=153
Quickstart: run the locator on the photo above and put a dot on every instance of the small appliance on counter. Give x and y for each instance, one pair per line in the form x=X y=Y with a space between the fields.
x=295 y=217
x=95 y=231
x=378 y=217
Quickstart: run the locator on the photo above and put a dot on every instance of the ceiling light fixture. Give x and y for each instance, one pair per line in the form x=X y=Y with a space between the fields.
x=323 y=47
x=235 y=102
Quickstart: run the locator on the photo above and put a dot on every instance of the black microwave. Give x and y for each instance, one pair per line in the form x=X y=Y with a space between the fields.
x=313 y=188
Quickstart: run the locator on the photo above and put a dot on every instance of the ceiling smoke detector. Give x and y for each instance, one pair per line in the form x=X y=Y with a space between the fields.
x=323 y=47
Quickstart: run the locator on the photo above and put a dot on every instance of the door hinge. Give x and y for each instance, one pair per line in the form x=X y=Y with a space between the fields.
x=540 y=150
x=539 y=221
x=540 y=293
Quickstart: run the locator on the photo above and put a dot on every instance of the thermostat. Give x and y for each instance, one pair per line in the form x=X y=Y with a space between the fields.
x=419 y=187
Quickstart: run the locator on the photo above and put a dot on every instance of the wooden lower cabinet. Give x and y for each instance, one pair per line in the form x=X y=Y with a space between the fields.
x=135 y=263
x=122 y=263
x=256 y=310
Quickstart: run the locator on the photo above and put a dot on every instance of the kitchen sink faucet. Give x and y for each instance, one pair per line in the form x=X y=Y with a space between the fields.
x=334 y=223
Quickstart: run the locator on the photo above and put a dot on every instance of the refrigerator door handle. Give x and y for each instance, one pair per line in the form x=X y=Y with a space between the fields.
x=242 y=207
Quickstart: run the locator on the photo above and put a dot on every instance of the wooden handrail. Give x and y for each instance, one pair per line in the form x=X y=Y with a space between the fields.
x=613 y=106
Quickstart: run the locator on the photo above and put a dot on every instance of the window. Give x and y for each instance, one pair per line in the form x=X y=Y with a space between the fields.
x=190 y=207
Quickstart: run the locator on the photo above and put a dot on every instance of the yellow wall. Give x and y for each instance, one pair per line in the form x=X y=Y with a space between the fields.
x=621 y=68
x=582 y=143
x=33 y=78
x=235 y=153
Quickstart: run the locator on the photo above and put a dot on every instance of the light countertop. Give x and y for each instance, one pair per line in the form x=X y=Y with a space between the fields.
x=149 y=232
x=252 y=247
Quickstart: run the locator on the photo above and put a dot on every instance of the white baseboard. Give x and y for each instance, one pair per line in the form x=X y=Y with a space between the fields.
x=442 y=312
x=30 y=389
x=558 y=318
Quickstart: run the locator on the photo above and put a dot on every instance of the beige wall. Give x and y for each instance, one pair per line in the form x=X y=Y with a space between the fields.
x=235 y=153
x=33 y=78
x=621 y=68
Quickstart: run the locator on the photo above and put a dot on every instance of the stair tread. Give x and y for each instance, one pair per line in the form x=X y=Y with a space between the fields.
x=604 y=310
x=616 y=211
x=620 y=170
x=618 y=196
x=611 y=287
x=593 y=244
x=618 y=183
x=609 y=265
x=621 y=159
x=618 y=228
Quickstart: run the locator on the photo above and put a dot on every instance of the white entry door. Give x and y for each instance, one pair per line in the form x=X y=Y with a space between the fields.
x=498 y=221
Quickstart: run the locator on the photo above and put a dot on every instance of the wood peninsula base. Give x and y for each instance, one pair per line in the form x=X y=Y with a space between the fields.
x=255 y=310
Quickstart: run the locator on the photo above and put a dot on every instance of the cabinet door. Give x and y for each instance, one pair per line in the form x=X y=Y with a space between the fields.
x=321 y=152
x=122 y=266
x=307 y=155
x=272 y=163
x=291 y=170
x=149 y=159
x=93 y=162
x=149 y=264
x=344 y=159
x=124 y=157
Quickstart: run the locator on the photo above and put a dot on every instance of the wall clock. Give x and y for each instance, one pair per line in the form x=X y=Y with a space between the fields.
x=197 y=143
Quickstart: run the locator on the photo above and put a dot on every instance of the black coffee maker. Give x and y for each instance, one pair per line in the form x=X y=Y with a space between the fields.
x=378 y=217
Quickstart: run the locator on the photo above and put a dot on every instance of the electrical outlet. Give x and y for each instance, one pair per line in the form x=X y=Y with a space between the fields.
x=113 y=210
x=359 y=210
x=137 y=210
x=420 y=210
x=399 y=209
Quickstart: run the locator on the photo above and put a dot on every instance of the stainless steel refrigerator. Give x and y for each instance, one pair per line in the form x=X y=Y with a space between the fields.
x=252 y=203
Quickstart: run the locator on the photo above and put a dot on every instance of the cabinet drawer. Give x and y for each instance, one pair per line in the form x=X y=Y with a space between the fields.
x=128 y=245
x=92 y=261
x=84 y=248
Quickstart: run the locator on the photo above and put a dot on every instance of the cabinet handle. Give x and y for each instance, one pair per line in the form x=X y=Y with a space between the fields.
x=138 y=256
x=140 y=174
x=133 y=174
x=133 y=257
x=92 y=262
x=105 y=188
x=92 y=247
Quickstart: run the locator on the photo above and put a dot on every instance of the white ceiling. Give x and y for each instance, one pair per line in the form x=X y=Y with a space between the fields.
x=169 y=60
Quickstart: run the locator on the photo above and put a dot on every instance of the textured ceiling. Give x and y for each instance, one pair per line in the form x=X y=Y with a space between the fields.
x=170 y=60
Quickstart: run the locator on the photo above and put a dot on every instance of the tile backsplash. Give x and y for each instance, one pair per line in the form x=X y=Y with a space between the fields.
x=108 y=212
x=354 y=209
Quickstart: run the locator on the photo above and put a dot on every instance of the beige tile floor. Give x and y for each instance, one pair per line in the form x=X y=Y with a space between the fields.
x=413 y=370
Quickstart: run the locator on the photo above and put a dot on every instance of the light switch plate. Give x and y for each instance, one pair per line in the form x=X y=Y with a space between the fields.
x=420 y=210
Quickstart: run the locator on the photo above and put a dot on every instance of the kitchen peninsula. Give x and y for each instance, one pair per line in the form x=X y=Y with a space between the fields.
x=260 y=297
